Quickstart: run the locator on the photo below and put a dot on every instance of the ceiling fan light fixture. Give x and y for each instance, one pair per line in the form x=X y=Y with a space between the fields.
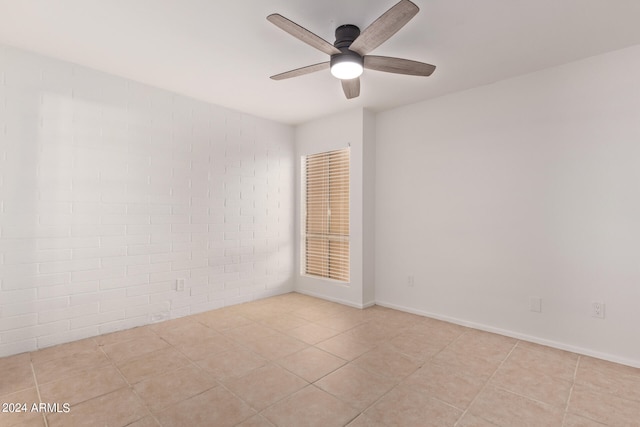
x=346 y=66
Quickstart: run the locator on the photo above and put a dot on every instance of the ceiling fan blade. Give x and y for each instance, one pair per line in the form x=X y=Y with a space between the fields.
x=351 y=88
x=398 y=65
x=302 y=34
x=384 y=27
x=301 y=71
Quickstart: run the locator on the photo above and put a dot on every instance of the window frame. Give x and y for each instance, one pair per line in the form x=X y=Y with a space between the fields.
x=344 y=274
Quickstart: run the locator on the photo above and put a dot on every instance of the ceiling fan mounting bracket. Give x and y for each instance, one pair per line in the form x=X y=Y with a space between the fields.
x=345 y=35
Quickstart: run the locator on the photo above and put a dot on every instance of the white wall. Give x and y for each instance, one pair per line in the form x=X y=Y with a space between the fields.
x=111 y=190
x=528 y=187
x=368 y=208
x=333 y=133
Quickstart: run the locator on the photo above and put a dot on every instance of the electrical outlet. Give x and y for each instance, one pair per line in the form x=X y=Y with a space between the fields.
x=535 y=304
x=597 y=310
x=180 y=285
x=410 y=281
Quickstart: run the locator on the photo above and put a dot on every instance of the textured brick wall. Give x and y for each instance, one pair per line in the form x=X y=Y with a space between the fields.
x=111 y=190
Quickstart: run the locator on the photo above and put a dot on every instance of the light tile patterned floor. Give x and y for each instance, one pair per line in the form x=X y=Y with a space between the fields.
x=298 y=361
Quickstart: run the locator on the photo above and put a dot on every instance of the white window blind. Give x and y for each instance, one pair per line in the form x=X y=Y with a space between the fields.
x=326 y=207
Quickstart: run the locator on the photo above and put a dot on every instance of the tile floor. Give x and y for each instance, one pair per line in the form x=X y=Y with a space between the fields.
x=298 y=361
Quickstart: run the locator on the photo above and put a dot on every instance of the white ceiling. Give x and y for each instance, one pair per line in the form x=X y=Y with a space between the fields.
x=223 y=52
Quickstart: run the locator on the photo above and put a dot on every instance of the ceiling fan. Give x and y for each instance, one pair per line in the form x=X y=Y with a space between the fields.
x=349 y=53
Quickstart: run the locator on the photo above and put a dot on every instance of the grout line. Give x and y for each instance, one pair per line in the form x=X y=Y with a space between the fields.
x=35 y=380
x=540 y=401
x=249 y=349
x=449 y=345
x=129 y=386
x=398 y=383
x=113 y=364
x=575 y=374
x=486 y=384
x=573 y=384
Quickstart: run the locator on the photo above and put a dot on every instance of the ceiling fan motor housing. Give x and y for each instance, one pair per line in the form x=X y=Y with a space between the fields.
x=345 y=35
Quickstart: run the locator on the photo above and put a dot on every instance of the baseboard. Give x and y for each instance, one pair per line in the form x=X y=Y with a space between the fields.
x=369 y=304
x=338 y=300
x=506 y=332
x=513 y=334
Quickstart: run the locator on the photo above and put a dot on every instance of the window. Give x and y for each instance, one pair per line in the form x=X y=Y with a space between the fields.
x=325 y=205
